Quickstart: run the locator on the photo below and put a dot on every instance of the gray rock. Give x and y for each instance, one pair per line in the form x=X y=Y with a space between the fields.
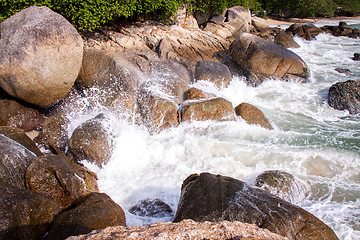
x=345 y=96
x=214 y=72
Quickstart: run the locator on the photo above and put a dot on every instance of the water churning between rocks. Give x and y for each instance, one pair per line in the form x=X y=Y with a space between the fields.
x=317 y=144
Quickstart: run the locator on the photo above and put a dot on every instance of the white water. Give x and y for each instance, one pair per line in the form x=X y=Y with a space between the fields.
x=312 y=141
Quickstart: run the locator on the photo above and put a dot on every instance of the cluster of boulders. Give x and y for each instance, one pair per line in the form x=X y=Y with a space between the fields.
x=144 y=71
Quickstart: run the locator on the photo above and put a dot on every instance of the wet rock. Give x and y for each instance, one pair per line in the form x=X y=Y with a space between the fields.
x=343 y=70
x=197 y=94
x=91 y=212
x=24 y=214
x=14 y=160
x=252 y=115
x=208 y=197
x=217 y=109
x=286 y=40
x=186 y=229
x=345 y=96
x=44 y=58
x=282 y=185
x=356 y=57
x=214 y=72
x=19 y=136
x=306 y=31
x=13 y=114
x=268 y=60
x=92 y=142
x=342 y=31
x=58 y=178
x=151 y=208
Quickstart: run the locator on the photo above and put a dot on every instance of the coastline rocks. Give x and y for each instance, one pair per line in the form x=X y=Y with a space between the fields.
x=356 y=57
x=13 y=114
x=306 y=31
x=91 y=212
x=342 y=30
x=40 y=56
x=282 y=185
x=59 y=179
x=197 y=94
x=239 y=18
x=208 y=197
x=92 y=142
x=214 y=72
x=345 y=96
x=186 y=229
x=267 y=60
x=285 y=39
x=151 y=208
x=252 y=115
x=24 y=214
x=218 y=109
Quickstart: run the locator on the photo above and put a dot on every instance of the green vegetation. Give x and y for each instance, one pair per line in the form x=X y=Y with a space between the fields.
x=86 y=15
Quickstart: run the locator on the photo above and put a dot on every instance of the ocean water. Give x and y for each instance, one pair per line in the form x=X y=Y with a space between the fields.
x=319 y=145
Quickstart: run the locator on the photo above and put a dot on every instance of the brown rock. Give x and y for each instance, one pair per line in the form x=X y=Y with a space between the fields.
x=40 y=56
x=306 y=31
x=252 y=115
x=13 y=114
x=186 y=229
x=215 y=72
x=208 y=197
x=58 y=178
x=217 y=109
x=286 y=40
x=91 y=141
x=91 y=212
x=239 y=17
x=197 y=94
x=25 y=214
x=268 y=60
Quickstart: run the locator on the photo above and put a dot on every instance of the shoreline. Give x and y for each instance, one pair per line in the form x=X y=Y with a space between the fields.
x=273 y=21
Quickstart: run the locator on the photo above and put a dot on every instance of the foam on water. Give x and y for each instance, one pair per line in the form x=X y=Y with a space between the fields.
x=315 y=143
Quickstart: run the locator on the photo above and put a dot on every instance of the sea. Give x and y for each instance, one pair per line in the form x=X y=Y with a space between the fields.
x=318 y=145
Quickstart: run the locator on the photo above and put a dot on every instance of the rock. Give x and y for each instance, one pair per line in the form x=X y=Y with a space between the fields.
x=259 y=23
x=286 y=40
x=252 y=115
x=14 y=160
x=91 y=212
x=217 y=19
x=345 y=96
x=40 y=56
x=223 y=30
x=54 y=132
x=151 y=208
x=268 y=60
x=208 y=197
x=92 y=142
x=214 y=72
x=114 y=78
x=58 y=178
x=342 y=24
x=186 y=229
x=343 y=70
x=342 y=31
x=306 y=31
x=217 y=109
x=19 y=136
x=282 y=185
x=24 y=214
x=197 y=94
x=238 y=17
x=13 y=114
x=356 y=57
x=183 y=19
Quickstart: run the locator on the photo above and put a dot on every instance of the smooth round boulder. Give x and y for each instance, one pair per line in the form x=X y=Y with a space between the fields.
x=267 y=59
x=214 y=72
x=40 y=56
x=252 y=115
x=345 y=96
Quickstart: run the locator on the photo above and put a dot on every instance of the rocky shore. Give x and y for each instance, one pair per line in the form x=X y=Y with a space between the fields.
x=47 y=68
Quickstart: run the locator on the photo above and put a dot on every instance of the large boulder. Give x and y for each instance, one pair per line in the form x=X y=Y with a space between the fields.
x=208 y=197
x=91 y=212
x=24 y=214
x=306 y=31
x=214 y=72
x=239 y=17
x=268 y=60
x=91 y=141
x=345 y=96
x=14 y=114
x=217 y=109
x=252 y=115
x=186 y=229
x=58 y=178
x=40 y=56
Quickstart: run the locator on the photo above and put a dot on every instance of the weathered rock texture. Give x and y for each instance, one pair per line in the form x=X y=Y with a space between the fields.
x=267 y=60
x=197 y=94
x=345 y=96
x=91 y=212
x=208 y=197
x=24 y=214
x=252 y=115
x=58 y=178
x=215 y=72
x=40 y=56
x=286 y=39
x=151 y=208
x=306 y=31
x=186 y=229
